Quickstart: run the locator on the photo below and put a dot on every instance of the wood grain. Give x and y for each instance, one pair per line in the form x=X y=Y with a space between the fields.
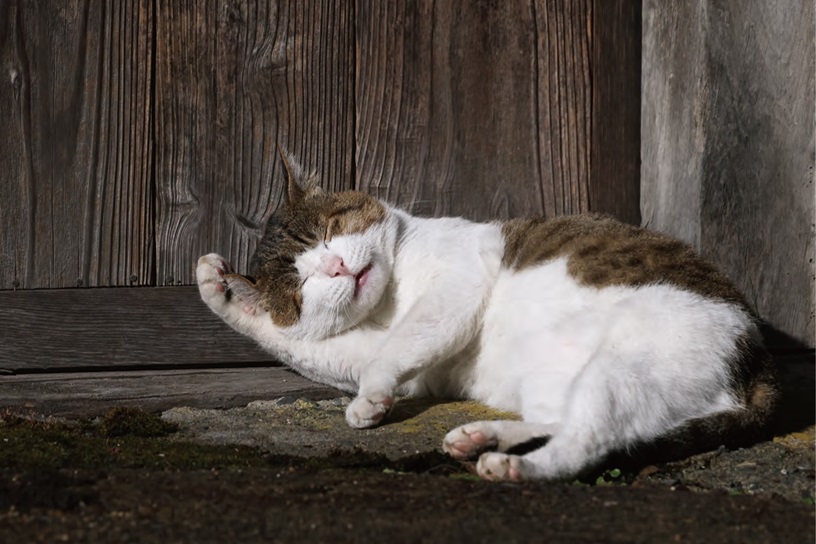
x=671 y=119
x=478 y=109
x=109 y=328
x=616 y=88
x=564 y=105
x=75 y=102
x=91 y=394
x=729 y=127
x=233 y=80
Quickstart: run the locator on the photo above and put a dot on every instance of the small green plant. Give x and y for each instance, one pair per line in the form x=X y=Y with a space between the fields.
x=465 y=476
x=610 y=477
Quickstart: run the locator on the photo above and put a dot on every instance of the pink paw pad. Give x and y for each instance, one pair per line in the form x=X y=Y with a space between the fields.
x=478 y=438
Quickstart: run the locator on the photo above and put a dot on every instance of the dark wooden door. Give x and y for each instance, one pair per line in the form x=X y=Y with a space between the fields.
x=136 y=135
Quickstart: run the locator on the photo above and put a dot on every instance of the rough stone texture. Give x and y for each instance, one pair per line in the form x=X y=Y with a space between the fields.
x=782 y=467
x=316 y=429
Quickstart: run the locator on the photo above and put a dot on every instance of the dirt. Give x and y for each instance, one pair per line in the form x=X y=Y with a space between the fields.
x=278 y=504
x=292 y=471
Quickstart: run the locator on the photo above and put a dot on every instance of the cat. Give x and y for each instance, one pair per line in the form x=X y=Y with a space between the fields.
x=601 y=335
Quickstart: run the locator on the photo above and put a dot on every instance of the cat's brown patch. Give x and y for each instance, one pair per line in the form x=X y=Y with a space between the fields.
x=762 y=396
x=753 y=376
x=310 y=218
x=603 y=252
x=352 y=212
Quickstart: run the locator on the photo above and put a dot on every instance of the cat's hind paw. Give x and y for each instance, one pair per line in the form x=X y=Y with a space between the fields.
x=496 y=466
x=368 y=411
x=468 y=441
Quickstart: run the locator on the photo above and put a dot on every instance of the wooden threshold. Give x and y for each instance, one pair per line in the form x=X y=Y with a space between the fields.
x=87 y=394
x=111 y=328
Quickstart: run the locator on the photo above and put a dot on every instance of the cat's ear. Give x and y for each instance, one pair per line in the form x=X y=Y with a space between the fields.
x=298 y=185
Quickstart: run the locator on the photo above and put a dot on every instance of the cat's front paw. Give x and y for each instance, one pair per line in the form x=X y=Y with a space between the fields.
x=367 y=411
x=467 y=441
x=212 y=285
x=496 y=466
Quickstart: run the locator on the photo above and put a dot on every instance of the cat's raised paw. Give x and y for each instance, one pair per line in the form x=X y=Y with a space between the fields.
x=496 y=466
x=364 y=411
x=468 y=441
x=210 y=278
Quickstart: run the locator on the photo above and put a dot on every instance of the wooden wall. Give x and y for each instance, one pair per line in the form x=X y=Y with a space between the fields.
x=76 y=161
x=500 y=109
x=136 y=135
x=728 y=124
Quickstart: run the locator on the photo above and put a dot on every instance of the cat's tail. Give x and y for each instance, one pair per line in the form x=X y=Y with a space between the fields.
x=754 y=380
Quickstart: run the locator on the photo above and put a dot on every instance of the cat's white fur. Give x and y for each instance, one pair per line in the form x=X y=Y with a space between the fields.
x=594 y=369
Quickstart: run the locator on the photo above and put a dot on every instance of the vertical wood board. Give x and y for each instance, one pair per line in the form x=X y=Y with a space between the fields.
x=729 y=145
x=474 y=109
x=616 y=87
x=234 y=80
x=75 y=192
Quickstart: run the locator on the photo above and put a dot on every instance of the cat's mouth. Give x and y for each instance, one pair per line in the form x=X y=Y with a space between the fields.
x=361 y=279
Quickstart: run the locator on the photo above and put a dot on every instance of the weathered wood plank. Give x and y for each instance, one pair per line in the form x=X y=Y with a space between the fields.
x=233 y=80
x=110 y=327
x=564 y=104
x=616 y=89
x=729 y=144
x=90 y=394
x=474 y=109
x=75 y=193
x=500 y=109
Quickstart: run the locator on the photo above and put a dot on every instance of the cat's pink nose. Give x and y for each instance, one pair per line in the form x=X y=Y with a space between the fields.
x=334 y=266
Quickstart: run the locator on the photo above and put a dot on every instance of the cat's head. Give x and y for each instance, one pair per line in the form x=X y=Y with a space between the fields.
x=325 y=259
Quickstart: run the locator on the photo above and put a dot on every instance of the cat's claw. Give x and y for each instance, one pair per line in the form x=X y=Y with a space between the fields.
x=496 y=466
x=365 y=411
x=467 y=441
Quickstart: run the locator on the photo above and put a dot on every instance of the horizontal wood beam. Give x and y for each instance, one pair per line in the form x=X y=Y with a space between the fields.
x=112 y=328
x=90 y=394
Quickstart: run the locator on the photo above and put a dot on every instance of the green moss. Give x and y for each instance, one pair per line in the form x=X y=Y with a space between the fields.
x=412 y=416
x=130 y=438
x=125 y=438
x=465 y=476
x=134 y=422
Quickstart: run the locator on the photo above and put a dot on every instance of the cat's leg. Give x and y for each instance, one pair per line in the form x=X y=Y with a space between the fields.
x=605 y=410
x=438 y=325
x=229 y=299
x=471 y=439
x=566 y=455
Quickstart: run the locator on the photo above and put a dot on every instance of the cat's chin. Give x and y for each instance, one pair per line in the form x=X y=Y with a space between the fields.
x=318 y=322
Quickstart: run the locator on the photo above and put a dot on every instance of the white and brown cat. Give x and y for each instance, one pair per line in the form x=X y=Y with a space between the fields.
x=603 y=336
